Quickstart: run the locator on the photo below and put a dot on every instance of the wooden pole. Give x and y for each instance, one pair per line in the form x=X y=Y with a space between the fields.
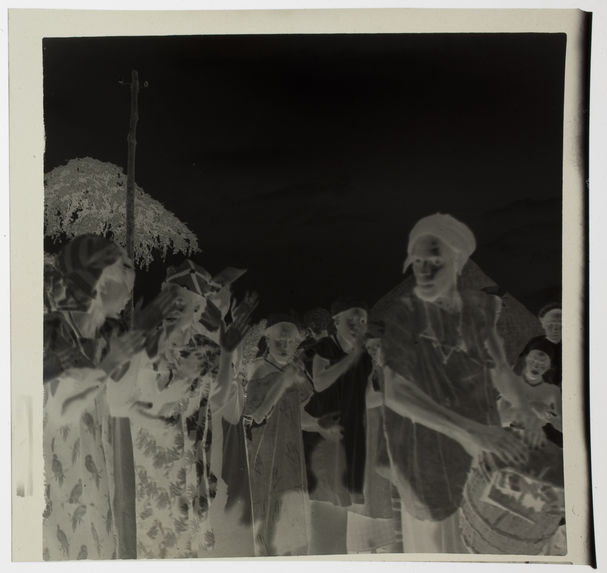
x=124 y=466
x=130 y=174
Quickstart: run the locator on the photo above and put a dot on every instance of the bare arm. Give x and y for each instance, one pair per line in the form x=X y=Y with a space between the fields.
x=406 y=399
x=508 y=384
x=324 y=375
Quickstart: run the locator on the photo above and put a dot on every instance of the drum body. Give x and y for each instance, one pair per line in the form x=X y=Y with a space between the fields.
x=514 y=511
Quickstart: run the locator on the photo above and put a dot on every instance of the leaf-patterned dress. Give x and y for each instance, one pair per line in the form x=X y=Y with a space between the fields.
x=174 y=484
x=77 y=446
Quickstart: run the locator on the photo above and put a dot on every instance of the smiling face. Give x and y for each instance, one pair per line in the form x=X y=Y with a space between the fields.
x=537 y=363
x=283 y=339
x=351 y=324
x=552 y=325
x=434 y=267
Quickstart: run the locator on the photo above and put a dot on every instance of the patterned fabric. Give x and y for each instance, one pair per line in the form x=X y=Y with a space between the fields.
x=81 y=262
x=174 y=483
x=444 y=355
x=277 y=470
x=78 y=520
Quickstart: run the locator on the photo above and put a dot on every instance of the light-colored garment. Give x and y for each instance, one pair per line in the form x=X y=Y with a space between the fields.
x=425 y=536
x=78 y=520
x=171 y=450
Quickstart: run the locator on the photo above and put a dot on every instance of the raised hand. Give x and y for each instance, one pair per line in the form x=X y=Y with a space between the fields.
x=246 y=306
x=231 y=337
x=122 y=348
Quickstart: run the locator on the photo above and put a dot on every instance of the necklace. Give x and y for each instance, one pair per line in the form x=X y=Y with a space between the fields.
x=445 y=350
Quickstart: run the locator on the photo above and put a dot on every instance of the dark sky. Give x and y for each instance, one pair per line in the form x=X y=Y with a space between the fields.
x=307 y=158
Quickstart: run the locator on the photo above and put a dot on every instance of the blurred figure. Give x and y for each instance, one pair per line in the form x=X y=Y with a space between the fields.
x=83 y=351
x=175 y=395
x=336 y=454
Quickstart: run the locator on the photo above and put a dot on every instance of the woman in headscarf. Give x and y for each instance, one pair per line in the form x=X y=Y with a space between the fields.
x=443 y=364
x=278 y=388
x=174 y=392
x=82 y=353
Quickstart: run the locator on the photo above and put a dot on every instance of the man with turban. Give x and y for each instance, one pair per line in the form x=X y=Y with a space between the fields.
x=444 y=366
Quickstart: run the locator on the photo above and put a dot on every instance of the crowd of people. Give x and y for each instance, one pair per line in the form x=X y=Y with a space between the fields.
x=404 y=430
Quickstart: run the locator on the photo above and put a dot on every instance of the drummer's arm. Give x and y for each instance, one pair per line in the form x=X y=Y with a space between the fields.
x=405 y=398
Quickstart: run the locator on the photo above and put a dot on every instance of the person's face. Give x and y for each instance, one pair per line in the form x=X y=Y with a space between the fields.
x=283 y=339
x=115 y=292
x=552 y=324
x=434 y=268
x=537 y=363
x=185 y=312
x=351 y=324
x=221 y=300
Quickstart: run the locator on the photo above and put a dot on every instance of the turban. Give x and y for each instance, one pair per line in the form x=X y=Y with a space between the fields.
x=449 y=230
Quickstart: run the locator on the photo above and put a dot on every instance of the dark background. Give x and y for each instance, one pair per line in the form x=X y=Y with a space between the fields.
x=308 y=158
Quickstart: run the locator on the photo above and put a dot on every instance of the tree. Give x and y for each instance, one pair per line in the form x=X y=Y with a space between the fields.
x=89 y=196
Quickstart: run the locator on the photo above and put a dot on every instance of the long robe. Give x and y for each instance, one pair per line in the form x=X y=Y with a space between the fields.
x=277 y=469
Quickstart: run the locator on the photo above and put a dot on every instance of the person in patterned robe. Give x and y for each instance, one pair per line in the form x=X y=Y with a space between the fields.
x=91 y=284
x=174 y=397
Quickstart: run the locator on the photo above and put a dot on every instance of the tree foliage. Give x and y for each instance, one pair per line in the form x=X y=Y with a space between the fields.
x=89 y=196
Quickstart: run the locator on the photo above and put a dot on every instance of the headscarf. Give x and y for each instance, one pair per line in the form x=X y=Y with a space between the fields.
x=193 y=277
x=82 y=262
x=346 y=303
x=455 y=234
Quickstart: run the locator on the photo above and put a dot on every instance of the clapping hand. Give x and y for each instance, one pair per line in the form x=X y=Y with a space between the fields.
x=246 y=306
x=329 y=427
x=230 y=337
x=122 y=348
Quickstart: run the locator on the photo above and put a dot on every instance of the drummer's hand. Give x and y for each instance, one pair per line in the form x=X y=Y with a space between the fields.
x=486 y=465
x=533 y=434
x=497 y=441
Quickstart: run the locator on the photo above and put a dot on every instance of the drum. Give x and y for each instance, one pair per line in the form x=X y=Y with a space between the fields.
x=514 y=510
